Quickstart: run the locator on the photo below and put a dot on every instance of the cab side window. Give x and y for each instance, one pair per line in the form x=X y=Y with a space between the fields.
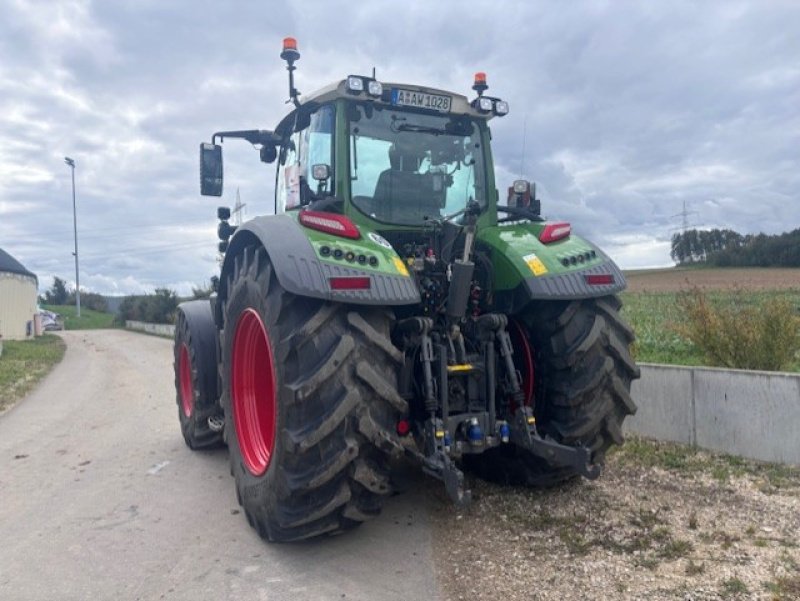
x=309 y=146
x=287 y=186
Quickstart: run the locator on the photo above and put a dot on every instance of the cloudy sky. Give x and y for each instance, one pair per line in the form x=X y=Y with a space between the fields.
x=630 y=108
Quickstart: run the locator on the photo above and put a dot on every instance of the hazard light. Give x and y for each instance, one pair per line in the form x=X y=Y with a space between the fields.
x=290 y=52
x=480 y=83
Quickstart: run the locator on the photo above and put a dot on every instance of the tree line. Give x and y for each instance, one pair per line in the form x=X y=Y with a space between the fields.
x=59 y=294
x=727 y=248
x=158 y=307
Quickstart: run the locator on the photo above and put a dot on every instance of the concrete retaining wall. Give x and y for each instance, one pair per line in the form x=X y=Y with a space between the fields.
x=160 y=329
x=748 y=413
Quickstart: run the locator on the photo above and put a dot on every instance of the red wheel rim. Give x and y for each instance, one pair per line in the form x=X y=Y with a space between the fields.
x=185 y=374
x=253 y=392
x=523 y=359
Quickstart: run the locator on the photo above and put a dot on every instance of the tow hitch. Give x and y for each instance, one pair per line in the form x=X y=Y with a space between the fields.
x=525 y=435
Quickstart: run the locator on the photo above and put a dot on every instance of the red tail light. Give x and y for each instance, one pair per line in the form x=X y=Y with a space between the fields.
x=600 y=279
x=330 y=223
x=403 y=427
x=350 y=283
x=555 y=231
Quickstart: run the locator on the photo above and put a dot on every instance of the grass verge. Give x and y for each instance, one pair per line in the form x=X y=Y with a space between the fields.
x=24 y=363
x=89 y=319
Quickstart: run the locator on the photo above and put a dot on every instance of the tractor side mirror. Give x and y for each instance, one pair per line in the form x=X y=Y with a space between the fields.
x=210 y=170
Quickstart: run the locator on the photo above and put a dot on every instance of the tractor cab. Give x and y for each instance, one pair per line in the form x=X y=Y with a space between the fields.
x=386 y=155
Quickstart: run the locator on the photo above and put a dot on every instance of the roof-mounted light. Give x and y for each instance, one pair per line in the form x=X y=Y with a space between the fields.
x=290 y=52
x=500 y=108
x=480 y=83
x=483 y=104
x=355 y=85
x=521 y=186
x=374 y=88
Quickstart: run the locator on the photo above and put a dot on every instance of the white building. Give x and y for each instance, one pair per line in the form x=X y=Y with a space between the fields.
x=18 y=289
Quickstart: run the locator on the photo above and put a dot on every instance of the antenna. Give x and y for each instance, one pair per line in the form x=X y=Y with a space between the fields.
x=373 y=72
x=237 y=209
x=524 y=136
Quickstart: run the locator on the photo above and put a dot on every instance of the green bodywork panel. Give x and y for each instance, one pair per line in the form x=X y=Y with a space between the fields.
x=369 y=245
x=517 y=253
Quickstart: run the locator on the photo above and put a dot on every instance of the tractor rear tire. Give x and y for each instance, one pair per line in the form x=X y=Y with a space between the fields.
x=583 y=373
x=311 y=405
x=195 y=364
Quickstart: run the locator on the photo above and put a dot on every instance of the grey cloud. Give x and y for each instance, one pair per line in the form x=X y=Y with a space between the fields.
x=631 y=109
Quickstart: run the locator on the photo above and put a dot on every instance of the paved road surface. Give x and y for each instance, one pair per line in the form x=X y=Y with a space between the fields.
x=100 y=499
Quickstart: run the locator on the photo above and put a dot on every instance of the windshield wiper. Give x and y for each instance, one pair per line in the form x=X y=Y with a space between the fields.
x=423 y=129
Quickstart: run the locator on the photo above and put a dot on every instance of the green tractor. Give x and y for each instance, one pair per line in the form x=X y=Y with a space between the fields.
x=392 y=308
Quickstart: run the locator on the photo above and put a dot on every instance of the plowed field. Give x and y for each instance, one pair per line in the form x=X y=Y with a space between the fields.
x=744 y=278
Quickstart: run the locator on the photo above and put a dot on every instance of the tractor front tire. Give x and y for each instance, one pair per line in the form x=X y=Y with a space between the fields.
x=195 y=352
x=583 y=373
x=311 y=405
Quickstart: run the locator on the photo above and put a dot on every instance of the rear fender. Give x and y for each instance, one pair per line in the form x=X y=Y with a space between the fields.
x=526 y=269
x=295 y=254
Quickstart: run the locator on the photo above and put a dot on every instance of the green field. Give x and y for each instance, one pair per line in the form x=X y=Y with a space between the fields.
x=25 y=362
x=89 y=319
x=654 y=316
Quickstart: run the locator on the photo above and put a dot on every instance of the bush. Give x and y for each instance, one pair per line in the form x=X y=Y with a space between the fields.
x=153 y=308
x=89 y=300
x=761 y=335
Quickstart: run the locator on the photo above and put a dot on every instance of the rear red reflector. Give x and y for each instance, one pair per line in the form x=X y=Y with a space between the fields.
x=330 y=223
x=403 y=427
x=350 y=283
x=601 y=279
x=555 y=231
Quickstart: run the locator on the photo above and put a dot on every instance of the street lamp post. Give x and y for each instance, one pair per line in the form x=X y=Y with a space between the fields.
x=71 y=163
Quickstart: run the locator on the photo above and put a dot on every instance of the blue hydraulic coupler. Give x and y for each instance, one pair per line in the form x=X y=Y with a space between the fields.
x=474 y=432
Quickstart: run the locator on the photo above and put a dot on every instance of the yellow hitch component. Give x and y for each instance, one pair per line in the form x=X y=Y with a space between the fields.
x=531 y=420
x=460 y=367
x=439 y=433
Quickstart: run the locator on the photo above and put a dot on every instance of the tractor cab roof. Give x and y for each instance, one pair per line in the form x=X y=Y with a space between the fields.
x=388 y=95
x=397 y=96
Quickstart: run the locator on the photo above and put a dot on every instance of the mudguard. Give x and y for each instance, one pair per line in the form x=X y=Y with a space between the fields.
x=305 y=260
x=526 y=269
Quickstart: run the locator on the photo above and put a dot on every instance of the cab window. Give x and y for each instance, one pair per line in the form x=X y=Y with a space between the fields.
x=309 y=146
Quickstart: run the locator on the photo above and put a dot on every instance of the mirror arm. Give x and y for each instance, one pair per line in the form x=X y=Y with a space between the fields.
x=254 y=136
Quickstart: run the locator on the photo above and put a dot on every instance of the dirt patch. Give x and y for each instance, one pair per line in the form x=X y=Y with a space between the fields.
x=662 y=522
x=672 y=280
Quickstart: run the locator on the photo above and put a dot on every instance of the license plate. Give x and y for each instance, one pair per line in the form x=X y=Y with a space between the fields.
x=422 y=100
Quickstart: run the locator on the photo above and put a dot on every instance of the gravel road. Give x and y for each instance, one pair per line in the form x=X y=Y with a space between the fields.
x=101 y=499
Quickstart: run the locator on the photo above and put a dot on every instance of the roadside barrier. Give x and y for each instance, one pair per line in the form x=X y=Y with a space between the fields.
x=754 y=414
x=159 y=329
